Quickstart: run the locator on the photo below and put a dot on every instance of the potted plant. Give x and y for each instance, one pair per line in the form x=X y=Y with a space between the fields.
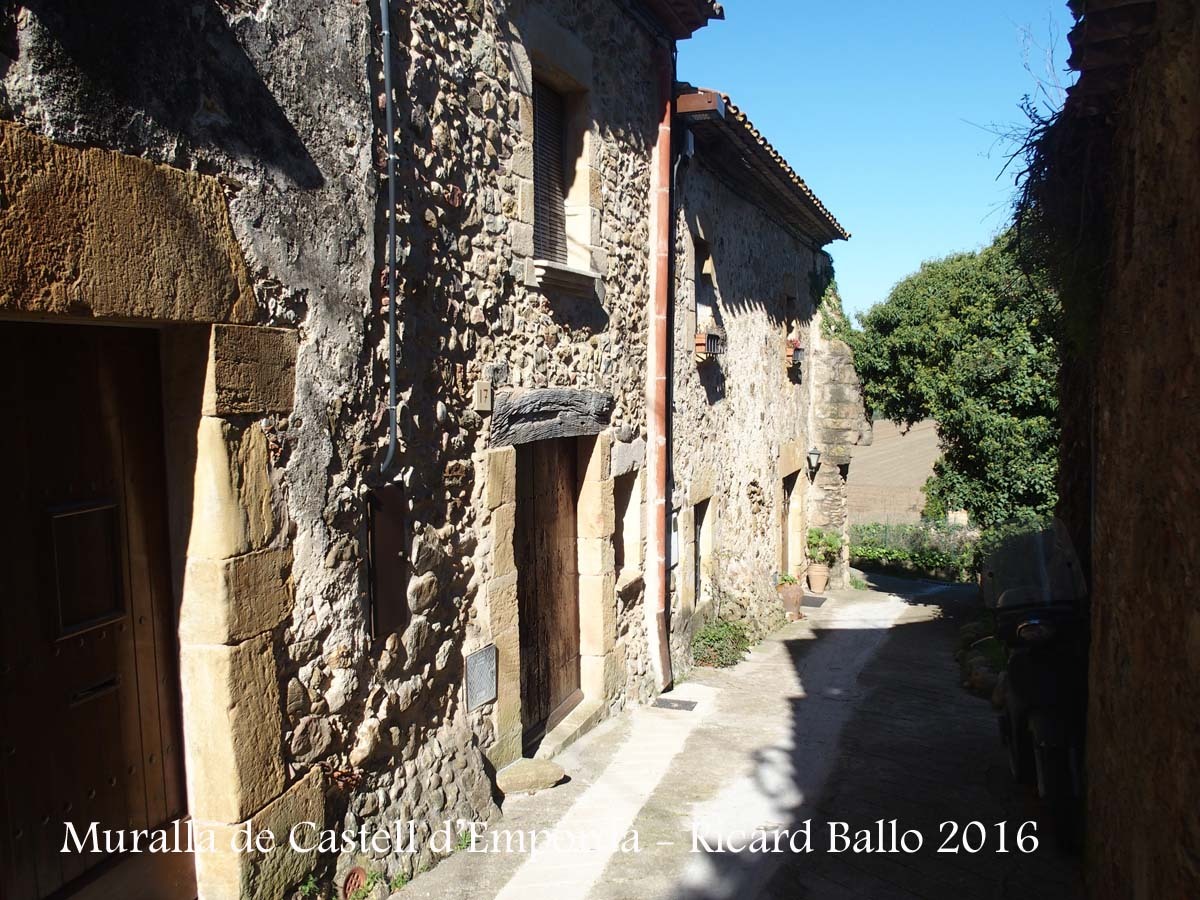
x=823 y=549
x=791 y=593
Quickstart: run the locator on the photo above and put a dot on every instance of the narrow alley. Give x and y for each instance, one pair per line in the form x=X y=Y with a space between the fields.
x=852 y=714
x=604 y=449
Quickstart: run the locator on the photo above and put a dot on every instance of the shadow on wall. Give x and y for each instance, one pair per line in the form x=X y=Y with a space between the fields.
x=730 y=276
x=176 y=63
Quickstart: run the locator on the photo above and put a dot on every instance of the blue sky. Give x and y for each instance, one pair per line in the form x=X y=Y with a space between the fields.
x=887 y=109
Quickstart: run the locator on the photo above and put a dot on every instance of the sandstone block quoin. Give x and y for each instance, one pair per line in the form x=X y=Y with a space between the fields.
x=597 y=614
x=251 y=371
x=98 y=233
x=501 y=483
x=228 y=601
x=232 y=510
x=233 y=729
x=266 y=876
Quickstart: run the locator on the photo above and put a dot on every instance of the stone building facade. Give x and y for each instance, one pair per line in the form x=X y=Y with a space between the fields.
x=207 y=181
x=303 y=616
x=746 y=409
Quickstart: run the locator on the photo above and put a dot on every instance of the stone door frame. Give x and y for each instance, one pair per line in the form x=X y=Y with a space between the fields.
x=601 y=664
x=181 y=271
x=793 y=460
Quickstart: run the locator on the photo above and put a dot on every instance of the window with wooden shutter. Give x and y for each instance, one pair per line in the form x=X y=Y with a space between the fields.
x=388 y=560
x=549 y=191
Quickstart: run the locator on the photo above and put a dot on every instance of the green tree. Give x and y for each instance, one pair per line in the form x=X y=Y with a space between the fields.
x=970 y=341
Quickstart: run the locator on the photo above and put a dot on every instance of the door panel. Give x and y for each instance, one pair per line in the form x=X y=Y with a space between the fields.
x=88 y=689
x=547 y=582
x=793 y=555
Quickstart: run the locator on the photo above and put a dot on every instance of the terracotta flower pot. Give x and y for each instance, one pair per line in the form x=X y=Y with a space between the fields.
x=792 y=596
x=818 y=577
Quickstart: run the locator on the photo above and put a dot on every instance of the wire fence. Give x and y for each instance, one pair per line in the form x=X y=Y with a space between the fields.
x=935 y=549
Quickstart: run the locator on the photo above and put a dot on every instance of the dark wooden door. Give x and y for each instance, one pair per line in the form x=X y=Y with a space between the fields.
x=787 y=536
x=89 y=706
x=547 y=583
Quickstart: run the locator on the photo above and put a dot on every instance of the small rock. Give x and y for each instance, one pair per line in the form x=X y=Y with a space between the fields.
x=422 y=592
x=427 y=553
x=297 y=698
x=527 y=776
x=416 y=636
x=312 y=739
x=365 y=741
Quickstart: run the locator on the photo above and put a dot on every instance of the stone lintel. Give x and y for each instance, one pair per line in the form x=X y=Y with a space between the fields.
x=793 y=457
x=522 y=416
x=702 y=486
x=101 y=234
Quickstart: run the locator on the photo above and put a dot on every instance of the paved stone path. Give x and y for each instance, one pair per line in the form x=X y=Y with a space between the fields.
x=854 y=715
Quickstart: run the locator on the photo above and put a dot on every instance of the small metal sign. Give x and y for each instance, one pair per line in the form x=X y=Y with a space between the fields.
x=481 y=677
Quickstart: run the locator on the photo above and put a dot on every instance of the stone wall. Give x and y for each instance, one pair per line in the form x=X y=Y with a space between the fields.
x=220 y=186
x=250 y=134
x=1144 y=713
x=839 y=425
x=740 y=422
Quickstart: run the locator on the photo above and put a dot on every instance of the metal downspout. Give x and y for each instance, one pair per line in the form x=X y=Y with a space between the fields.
x=657 y=365
x=384 y=19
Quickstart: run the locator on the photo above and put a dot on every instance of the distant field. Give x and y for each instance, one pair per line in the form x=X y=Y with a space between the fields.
x=885 y=478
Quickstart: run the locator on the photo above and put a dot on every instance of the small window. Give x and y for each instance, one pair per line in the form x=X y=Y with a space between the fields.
x=627 y=545
x=549 y=187
x=703 y=538
x=87 y=567
x=388 y=560
x=706 y=289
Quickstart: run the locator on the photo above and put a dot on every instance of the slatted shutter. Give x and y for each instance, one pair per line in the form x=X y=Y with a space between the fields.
x=549 y=193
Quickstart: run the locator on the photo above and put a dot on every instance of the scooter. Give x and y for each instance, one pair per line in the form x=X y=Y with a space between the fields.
x=1032 y=579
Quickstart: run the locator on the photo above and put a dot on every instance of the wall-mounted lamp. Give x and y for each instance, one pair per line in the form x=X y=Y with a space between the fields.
x=814 y=460
x=793 y=353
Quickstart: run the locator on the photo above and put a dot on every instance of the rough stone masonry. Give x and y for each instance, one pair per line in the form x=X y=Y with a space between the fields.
x=214 y=170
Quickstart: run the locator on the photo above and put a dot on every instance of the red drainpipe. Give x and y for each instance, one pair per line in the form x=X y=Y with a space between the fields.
x=656 y=365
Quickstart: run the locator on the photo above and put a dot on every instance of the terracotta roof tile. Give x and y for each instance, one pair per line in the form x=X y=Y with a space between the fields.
x=737 y=120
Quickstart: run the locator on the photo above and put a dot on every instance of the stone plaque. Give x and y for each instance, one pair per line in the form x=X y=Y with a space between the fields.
x=481 y=400
x=481 y=677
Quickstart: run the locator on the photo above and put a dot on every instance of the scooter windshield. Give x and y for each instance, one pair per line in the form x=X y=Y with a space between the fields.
x=1031 y=565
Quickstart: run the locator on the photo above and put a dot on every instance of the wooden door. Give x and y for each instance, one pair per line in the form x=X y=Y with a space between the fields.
x=89 y=697
x=547 y=583
x=791 y=553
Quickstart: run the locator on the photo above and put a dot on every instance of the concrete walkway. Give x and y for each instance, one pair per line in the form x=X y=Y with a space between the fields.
x=854 y=715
